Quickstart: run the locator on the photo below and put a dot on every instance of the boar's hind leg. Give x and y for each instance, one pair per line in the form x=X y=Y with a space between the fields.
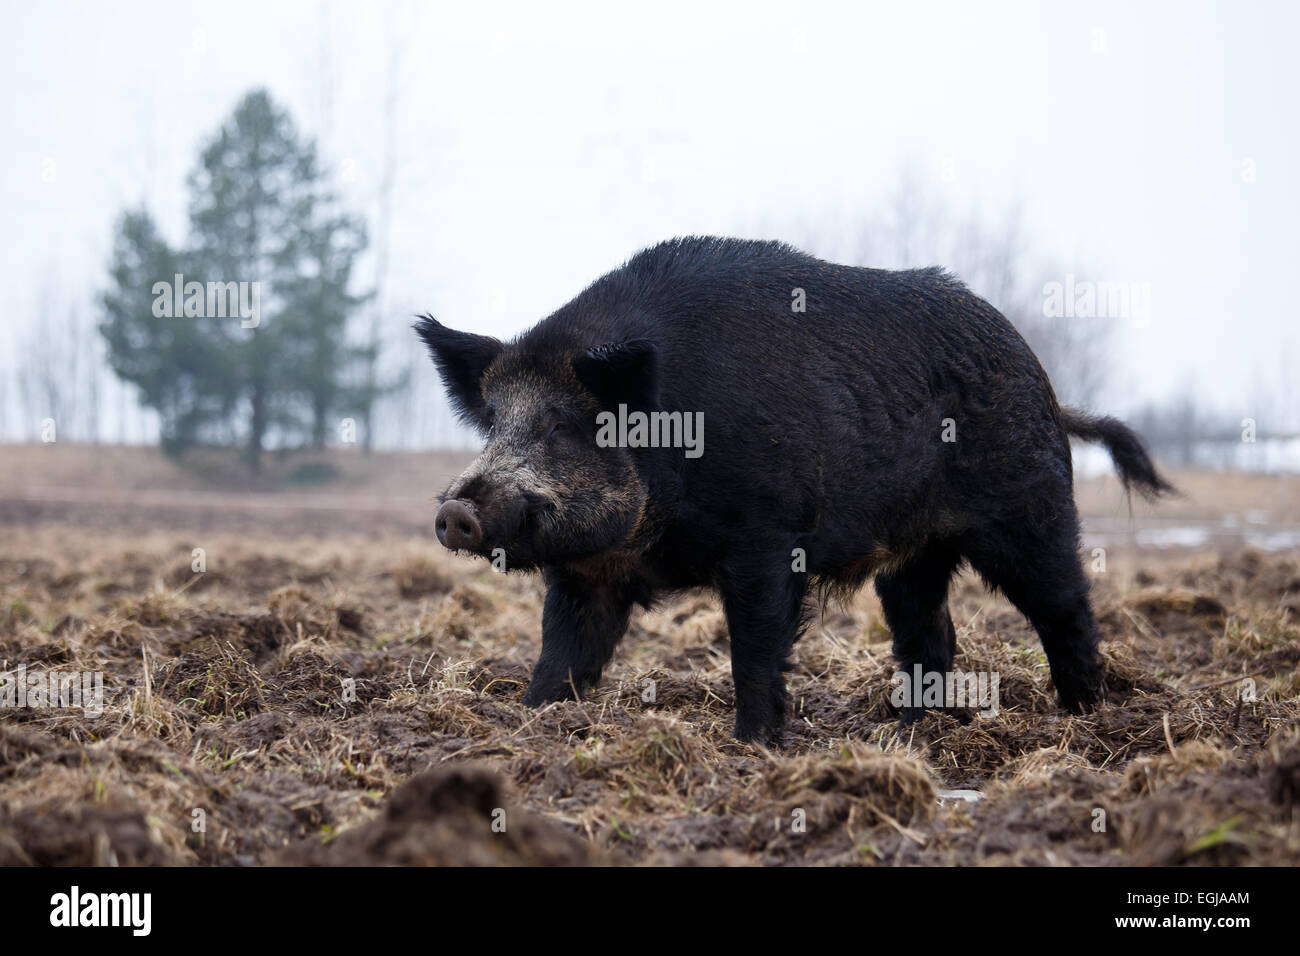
x=581 y=625
x=763 y=601
x=915 y=601
x=1042 y=576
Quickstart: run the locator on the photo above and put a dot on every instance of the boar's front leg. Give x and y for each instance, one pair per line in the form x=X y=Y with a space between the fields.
x=581 y=625
x=763 y=600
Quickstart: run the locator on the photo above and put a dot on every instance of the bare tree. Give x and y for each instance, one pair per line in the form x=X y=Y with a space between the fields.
x=383 y=230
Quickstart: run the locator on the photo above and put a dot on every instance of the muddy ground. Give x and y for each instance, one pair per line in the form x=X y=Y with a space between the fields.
x=352 y=696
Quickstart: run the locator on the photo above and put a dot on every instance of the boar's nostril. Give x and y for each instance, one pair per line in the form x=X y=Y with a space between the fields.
x=457 y=525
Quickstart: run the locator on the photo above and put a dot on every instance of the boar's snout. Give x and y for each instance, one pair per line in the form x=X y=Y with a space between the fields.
x=457 y=526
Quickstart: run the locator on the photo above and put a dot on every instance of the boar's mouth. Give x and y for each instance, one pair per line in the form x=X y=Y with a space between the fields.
x=536 y=509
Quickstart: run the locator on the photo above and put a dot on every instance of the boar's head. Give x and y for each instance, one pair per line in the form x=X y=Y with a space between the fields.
x=542 y=490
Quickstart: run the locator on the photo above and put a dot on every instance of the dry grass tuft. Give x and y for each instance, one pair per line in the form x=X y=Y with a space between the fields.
x=322 y=701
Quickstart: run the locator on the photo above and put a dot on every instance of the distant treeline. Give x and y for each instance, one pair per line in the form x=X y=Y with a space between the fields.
x=1185 y=434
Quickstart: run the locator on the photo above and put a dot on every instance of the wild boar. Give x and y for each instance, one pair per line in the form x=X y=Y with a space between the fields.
x=849 y=423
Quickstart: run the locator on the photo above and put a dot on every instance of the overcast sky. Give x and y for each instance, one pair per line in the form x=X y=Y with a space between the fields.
x=541 y=144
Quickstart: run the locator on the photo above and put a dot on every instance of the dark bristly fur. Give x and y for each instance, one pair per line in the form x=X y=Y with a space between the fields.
x=823 y=437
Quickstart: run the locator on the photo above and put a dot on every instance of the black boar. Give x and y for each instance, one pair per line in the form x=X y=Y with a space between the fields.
x=856 y=422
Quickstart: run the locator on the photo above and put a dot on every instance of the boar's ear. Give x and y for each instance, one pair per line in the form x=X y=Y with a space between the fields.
x=462 y=358
x=624 y=373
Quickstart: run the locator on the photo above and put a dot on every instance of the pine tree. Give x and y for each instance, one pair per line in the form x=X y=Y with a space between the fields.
x=261 y=216
x=177 y=363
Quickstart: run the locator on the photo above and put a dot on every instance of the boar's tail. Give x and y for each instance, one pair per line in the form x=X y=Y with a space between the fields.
x=1126 y=450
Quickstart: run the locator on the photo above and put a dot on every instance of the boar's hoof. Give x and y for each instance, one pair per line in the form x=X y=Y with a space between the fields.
x=765 y=735
x=1080 y=695
x=907 y=716
x=457 y=526
x=545 y=692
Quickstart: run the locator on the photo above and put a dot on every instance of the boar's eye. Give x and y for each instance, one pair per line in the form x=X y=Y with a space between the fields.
x=554 y=425
x=490 y=418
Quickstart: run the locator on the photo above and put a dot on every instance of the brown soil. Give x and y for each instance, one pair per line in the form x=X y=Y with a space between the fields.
x=354 y=698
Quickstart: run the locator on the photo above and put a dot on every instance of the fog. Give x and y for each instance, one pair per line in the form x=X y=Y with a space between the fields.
x=529 y=149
